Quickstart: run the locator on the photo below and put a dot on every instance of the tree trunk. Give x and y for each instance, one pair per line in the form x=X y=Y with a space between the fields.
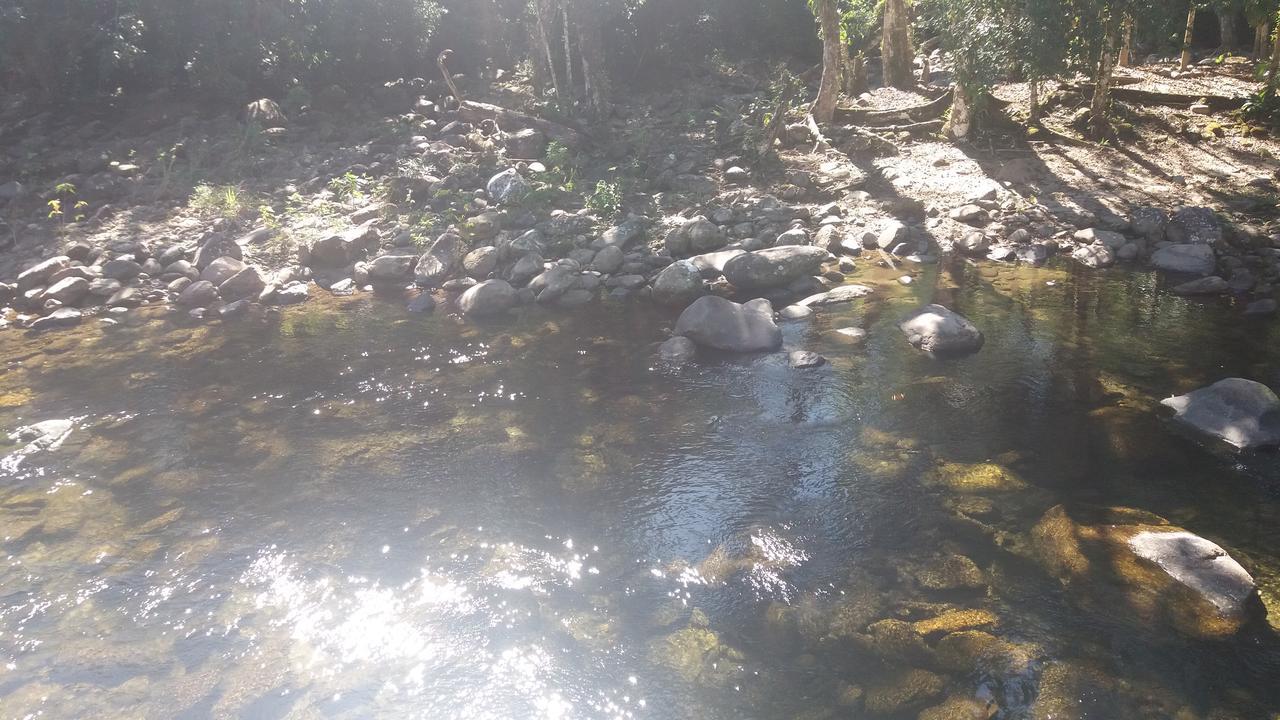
x=926 y=73
x=1273 y=73
x=858 y=76
x=960 y=122
x=1034 y=116
x=1227 y=29
x=824 y=107
x=1261 y=38
x=568 y=52
x=544 y=14
x=1102 y=84
x=895 y=46
x=1187 y=37
x=1126 y=50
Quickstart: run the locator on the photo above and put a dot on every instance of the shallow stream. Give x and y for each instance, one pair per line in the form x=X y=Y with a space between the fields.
x=344 y=511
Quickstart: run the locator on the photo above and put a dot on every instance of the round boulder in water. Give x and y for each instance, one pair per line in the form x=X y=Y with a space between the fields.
x=941 y=332
x=488 y=298
x=1243 y=413
x=715 y=322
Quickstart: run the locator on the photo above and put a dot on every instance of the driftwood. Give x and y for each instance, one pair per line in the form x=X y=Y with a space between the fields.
x=917 y=113
x=472 y=111
x=442 y=61
x=1174 y=100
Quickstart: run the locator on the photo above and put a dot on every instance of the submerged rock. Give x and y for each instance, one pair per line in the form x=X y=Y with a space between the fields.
x=1244 y=413
x=677 y=350
x=941 y=332
x=909 y=691
x=1212 y=285
x=1122 y=562
x=725 y=325
x=1187 y=258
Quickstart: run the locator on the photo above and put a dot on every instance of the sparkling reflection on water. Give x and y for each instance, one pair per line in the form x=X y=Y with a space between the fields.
x=345 y=512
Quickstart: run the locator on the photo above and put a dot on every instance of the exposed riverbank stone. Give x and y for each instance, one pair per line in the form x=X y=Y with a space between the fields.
x=488 y=298
x=942 y=333
x=1186 y=258
x=1094 y=256
x=1118 y=561
x=439 y=261
x=1243 y=413
x=678 y=284
x=835 y=296
x=507 y=187
x=722 y=324
x=60 y=318
x=775 y=267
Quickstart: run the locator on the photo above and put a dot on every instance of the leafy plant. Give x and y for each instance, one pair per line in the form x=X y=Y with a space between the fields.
x=349 y=187
x=219 y=200
x=66 y=193
x=606 y=199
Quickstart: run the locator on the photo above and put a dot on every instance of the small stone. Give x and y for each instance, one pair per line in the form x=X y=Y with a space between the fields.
x=802 y=359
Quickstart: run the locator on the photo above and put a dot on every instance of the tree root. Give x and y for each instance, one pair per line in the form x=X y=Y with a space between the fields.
x=931 y=110
x=1174 y=100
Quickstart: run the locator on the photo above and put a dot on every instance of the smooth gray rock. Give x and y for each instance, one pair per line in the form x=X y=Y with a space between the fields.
x=1202 y=567
x=68 y=291
x=608 y=260
x=39 y=274
x=775 y=267
x=488 y=298
x=482 y=261
x=1093 y=236
x=711 y=265
x=525 y=269
x=715 y=322
x=122 y=269
x=391 y=268
x=696 y=236
x=942 y=333
x=553 y=282
x=292 y=294
x=201 y=293
x=1194 y=259
x=678 y=284
x=247 y=284
x=620 y=236
x=973 y=244
x=1195 y=225
x=129 y=297
x=1243 y=413
x=678 y=349
x=222 y=269
x=60 y=318
x=216 y=247
x=836 y=296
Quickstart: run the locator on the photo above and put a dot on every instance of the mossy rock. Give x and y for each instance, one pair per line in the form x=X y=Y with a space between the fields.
x=960 y=708
x=895 y=641
x=945 y=573
x=698 y=656
x=975 y=478
x=909 y=691
x=1130 y=564
x=1072 y=690
x=973 y=651
x=955 y=621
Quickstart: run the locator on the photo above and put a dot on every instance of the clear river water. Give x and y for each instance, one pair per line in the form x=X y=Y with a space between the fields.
x=346 y=511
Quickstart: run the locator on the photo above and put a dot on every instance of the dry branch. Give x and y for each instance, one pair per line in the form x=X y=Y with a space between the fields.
x=472 y=111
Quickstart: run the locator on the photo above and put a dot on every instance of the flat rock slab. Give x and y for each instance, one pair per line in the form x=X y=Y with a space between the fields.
x=835 y=296
x=1199 y=564
x=1243 y=413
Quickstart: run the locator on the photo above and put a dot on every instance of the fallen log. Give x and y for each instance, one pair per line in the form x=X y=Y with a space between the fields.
x=931 y=110
x=1174 y=100
x=472 y=111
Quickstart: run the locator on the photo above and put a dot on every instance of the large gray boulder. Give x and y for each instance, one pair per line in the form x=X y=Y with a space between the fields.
x=221 y=270
x=1194 y=259
x=480 y=262
x=697 y=235
x=1195 y=225
x=678 y=284
x=39 y=274
x=775 y=267
x=487 y=298
x=201 y=293
x=342 y=249
x=620 y=236
x=711 y=265
x=715 y=322
x=1134 y=565
x=215 y=247
x=440 y=260
x=68 y=291
x=391 y=268
x=1243 y=413
x=941 y=332
x=553 y=283
x=247 y=284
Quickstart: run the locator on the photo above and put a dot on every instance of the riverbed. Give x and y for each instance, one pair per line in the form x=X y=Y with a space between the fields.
x=342 y=510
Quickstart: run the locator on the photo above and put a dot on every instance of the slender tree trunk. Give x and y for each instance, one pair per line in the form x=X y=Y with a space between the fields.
x=1034 y=116
x=960 y=122
x=858 y=76
x=542 y=11
x=895 y=46
x=1273 y=73
x=1102 y=84
x=824 y=107
x=1227 y=29
x=1261 y=38
x=591 y=52
x=926 y=73
x=1187 y=37
x=1126 y=50
x=568 y=51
